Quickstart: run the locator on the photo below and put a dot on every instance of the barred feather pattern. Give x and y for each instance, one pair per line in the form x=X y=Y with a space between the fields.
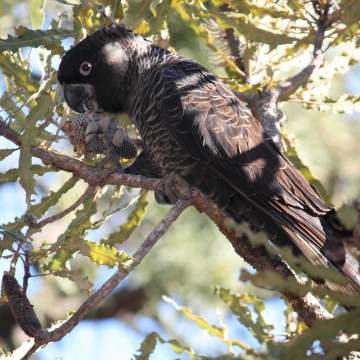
x=191 y=124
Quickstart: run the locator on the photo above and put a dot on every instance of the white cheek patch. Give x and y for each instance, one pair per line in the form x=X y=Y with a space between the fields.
x=116 y=55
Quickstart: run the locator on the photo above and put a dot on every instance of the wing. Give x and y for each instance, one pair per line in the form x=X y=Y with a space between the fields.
x=212 y=124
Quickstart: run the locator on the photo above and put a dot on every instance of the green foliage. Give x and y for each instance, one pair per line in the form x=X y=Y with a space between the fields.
x=50 y=39
x=133 y=221
x=299 y=344
x=148 y=345
x=275 y=40
x=52 y=199
x=39 y=111
x=67 y=243
x=13 y=174
x=218 y=332
x=104 y=255
x=239 y=306
x=37 y=13
x=4 y=153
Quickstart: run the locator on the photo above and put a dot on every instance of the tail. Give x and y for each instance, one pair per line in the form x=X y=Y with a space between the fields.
x=323 y=240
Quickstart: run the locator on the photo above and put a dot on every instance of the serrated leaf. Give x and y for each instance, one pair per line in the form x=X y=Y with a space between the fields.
x=247 y=7
x=213 y=330
x=37 y=12
x=200 y=321
x=181 y=349
x=4 y=153
x=243 y=25
x=39 y=111
x=102 y=254
x=7 y=103
x=52 y=199
x=68 y=242
x=16 y=72
x=81 y=222
x=13 y=174
x=237 y=303
x=50 y=39
x=324 y=331
x=77 y=276
x=8 y=239
x=134 y=219
x=26 y=176
x=146 y=17
x=147 y=347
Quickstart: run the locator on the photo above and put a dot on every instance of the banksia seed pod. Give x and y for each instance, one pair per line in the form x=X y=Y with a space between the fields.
x=92 y=134
x=20 y=306
x=127 y=149
x=124 y=147
x=75 y=130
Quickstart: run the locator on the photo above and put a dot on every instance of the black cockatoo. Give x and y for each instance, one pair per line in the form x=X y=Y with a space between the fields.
x=194 y=126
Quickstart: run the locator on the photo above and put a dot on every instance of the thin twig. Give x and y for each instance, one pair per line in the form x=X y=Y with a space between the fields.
x=234 y=46
x=293 y=83
x=265 y=104
x=27 y=274
x=93 y=300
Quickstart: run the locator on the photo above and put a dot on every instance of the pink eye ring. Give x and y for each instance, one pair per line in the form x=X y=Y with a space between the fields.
x=85 y=68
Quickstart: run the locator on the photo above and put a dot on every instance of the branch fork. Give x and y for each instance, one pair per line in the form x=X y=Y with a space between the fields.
x=265 y=103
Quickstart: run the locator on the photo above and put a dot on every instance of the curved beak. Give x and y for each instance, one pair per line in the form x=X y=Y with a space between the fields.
x=77 y=96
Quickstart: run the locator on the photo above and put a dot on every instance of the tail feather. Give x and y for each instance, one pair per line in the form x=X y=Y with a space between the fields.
x=324 y=245
x=322 y=242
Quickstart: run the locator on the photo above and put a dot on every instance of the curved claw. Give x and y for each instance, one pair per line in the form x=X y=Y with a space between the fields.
x=173 y=188
x=91 y=130
x=162 y=199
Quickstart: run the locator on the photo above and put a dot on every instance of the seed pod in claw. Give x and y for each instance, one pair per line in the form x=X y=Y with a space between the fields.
x=123 y=145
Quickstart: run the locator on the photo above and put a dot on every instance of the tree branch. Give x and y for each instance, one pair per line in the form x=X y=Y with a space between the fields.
x=323 y=22
x=265 y=104
x=124 y=302
x=307 y=307
x=44 y=337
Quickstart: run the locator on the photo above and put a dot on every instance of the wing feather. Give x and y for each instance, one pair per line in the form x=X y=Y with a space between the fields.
x=214 y=126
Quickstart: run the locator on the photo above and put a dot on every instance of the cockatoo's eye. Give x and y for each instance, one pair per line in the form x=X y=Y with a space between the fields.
x=85 y=68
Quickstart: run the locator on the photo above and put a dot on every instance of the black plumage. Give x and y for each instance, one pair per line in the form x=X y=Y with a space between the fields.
x=193 y=125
